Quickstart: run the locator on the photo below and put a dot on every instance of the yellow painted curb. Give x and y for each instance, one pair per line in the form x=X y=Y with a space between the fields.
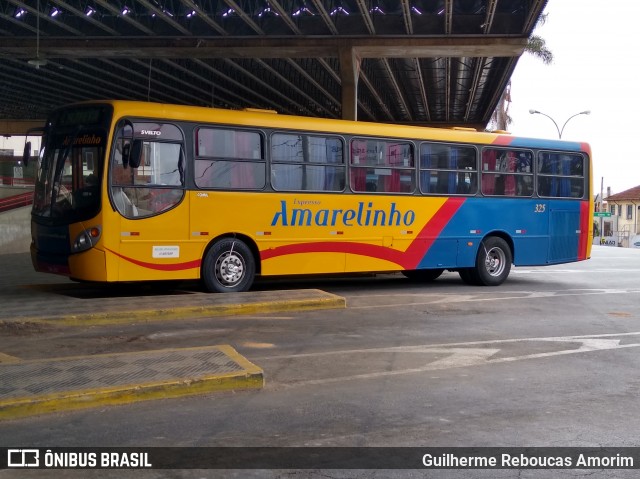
x=251 y=377
x=329 y=301
x=6 y=359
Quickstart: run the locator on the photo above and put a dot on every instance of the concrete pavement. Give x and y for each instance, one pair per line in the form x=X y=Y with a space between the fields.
x=37 y=386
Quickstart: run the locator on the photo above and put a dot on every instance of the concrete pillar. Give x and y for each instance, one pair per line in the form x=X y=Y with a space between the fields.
x=349 y=72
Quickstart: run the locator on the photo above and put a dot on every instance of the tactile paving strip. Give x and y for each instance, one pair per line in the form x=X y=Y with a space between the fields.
x=57 y=384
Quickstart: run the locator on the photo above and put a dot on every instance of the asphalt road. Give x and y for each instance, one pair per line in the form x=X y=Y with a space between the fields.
x=550 y=358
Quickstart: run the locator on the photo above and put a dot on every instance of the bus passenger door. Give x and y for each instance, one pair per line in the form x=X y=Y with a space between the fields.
x=564 y=232
x=154 y=216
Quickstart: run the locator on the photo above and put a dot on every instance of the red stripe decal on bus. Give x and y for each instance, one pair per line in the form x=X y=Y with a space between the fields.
x=160 y=267
x=431 y=231
x=585 y=216
x=408 y=259
x=503 y=140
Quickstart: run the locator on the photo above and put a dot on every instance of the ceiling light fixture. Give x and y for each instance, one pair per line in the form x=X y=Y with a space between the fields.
x=339 y=11
x=302 y=10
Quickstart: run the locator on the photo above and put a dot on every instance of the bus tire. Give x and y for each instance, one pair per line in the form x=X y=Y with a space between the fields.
x=423 y=275
x=228 y=267
x=468 y=276
x=493 y=262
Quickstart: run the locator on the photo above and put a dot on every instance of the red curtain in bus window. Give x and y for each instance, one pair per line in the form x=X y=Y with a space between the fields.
x=394 y=159
x=510 y=180
x=358 y=157
x=488 y=164
x=243 y=171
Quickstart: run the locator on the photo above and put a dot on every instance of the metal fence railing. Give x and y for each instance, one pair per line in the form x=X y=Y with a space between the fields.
x=11 y=181
x=16 y=201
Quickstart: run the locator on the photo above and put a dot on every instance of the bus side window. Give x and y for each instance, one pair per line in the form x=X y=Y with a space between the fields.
x=560 y=175
x=507 y=172
x=229 y=159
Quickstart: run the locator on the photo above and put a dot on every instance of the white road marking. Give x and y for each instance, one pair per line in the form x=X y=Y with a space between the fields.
x=467 y=354
x=493 y=296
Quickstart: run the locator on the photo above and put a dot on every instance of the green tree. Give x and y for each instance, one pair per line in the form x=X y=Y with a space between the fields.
x=536 y=46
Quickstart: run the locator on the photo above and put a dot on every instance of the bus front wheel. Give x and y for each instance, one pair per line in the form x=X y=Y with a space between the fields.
x=228 y=267
x=493 y=262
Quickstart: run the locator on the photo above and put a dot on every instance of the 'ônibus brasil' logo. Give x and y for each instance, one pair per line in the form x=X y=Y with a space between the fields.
x=362 y=215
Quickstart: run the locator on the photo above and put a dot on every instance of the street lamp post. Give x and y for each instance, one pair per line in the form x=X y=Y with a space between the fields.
x=560 y=130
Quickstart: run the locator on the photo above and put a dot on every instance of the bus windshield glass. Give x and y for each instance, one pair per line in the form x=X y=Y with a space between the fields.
x=70 y=166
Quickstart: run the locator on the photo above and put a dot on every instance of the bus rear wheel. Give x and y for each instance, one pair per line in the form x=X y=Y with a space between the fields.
x=228 y=267
x=493 y=262
x=469 y=276
x=423 y=275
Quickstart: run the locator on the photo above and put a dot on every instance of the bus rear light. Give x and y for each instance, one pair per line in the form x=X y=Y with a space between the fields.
x=86 y=239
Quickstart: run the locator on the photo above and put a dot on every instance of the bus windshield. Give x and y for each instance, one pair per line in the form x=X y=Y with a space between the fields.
x=67 y=184
x=70 y=168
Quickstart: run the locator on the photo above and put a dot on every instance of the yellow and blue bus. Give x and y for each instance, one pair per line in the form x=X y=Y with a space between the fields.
x=135 y=191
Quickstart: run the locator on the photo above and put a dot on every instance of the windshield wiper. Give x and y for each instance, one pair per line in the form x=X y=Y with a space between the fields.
x=57 y=176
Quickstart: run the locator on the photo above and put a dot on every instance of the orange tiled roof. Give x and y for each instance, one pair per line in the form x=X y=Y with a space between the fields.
x=630 y=194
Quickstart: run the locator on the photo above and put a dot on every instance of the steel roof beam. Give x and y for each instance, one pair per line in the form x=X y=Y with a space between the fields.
x=164 y=16
x=42 y=16
x=114 y=10
x=80 y=14
x=325 y=16
x=238 y=85
x=269 y=47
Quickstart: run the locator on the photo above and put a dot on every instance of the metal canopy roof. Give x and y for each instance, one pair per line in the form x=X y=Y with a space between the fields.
x=430 y=62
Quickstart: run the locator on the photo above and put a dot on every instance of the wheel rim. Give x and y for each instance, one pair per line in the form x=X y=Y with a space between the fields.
x=495 y=261
x=230 y=269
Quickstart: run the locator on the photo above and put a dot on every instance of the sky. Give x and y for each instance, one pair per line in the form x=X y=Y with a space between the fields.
x=596 y=49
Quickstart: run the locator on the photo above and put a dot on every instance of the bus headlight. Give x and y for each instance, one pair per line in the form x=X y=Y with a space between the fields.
x=86 y=239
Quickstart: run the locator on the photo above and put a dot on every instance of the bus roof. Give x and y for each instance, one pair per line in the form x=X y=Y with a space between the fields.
x=254 y=117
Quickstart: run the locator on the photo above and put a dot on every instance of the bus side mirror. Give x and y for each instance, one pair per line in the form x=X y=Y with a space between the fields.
x=126 y=153
x=136 y=154
x=26 y=154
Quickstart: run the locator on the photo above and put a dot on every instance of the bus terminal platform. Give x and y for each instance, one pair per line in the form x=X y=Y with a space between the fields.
x=31 y=300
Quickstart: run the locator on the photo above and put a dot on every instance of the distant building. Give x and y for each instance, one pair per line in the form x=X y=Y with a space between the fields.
x=625 y=214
